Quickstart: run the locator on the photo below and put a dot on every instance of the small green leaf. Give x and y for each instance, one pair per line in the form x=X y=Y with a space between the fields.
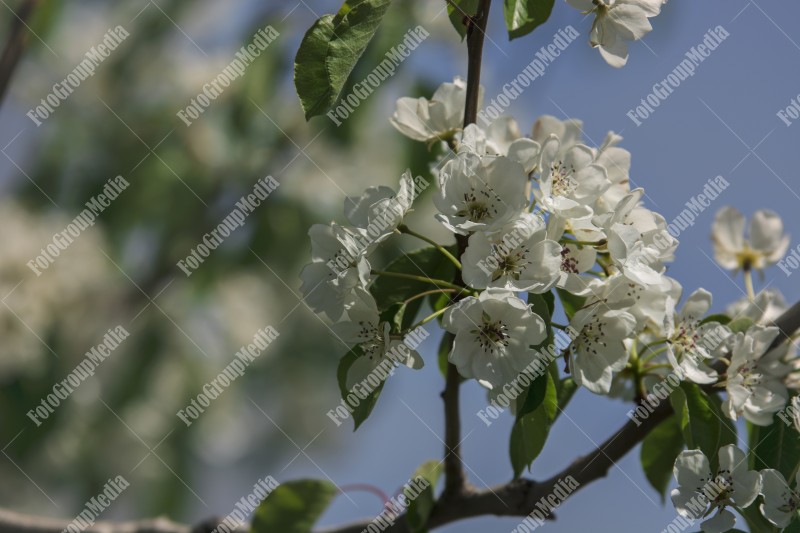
x=420 y=508
x=741 y=324
x=524 y=16
x=330 y=50
x=533 y=397
x=445 y=345
x=702 y=430
x=566 y=391
x=659 y=450
x=570 y=302
x=362 y=411
x=425 y=262
x=756 y=521
x=530 y=431
x=293 y=507
x=459 y=11
x=550 y=300
x=719 y=318
x=776 y=446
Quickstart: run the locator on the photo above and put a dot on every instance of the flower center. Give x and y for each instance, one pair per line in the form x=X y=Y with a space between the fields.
x=568 y=263
x=511 y=264
x=371 y=339
x=592 y=337
x=478 y=205
x=492 y=336
x=563 y=183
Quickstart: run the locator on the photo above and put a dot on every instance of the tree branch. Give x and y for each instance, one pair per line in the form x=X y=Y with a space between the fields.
x=12 y=522
x=455 y=483
x=15 y=45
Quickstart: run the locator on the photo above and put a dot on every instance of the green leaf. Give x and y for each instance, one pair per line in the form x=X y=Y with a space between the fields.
x=523 y=16
x=701 y=423
x=740 y=324
x=530 y=431
x=728 y=432
x=293 y=507
x=459 y=11
x=533 y=397
x=425 y=262
x=310 y=71
x=659 y=451
x=329 y=51
x=756 y=521
x=570 y=302
x=362 y=411
x=775 y=446
x=541 y=306
x=550 y=300
x=719 y=317
x=566 y=390
x=420 y=508
x=445 y=346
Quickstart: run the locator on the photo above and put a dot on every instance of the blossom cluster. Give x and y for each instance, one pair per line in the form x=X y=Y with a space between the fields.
x=546 y=214
x=542 y=212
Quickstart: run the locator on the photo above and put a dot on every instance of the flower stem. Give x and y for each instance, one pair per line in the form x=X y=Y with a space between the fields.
x=653 y=353
x=601 y=242
x=428 y=318
x=408 y=231
x=438 y=282
x=426 y=293
x=748 y=283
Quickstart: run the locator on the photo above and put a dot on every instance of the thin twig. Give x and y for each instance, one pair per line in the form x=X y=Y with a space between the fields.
x=15 y=45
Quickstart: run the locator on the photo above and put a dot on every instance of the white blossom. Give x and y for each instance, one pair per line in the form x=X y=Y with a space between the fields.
x=755 y=383
x=733 y=485
x=617 y=21
x=690 y=344
x=519 y=257
x=765 y=246
x=480 y=193
x=569 y=185
x=494 y=336
x=363 y=328
x=338 y=267
x=598 y=351
x=780 y=502
x=435 y=119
